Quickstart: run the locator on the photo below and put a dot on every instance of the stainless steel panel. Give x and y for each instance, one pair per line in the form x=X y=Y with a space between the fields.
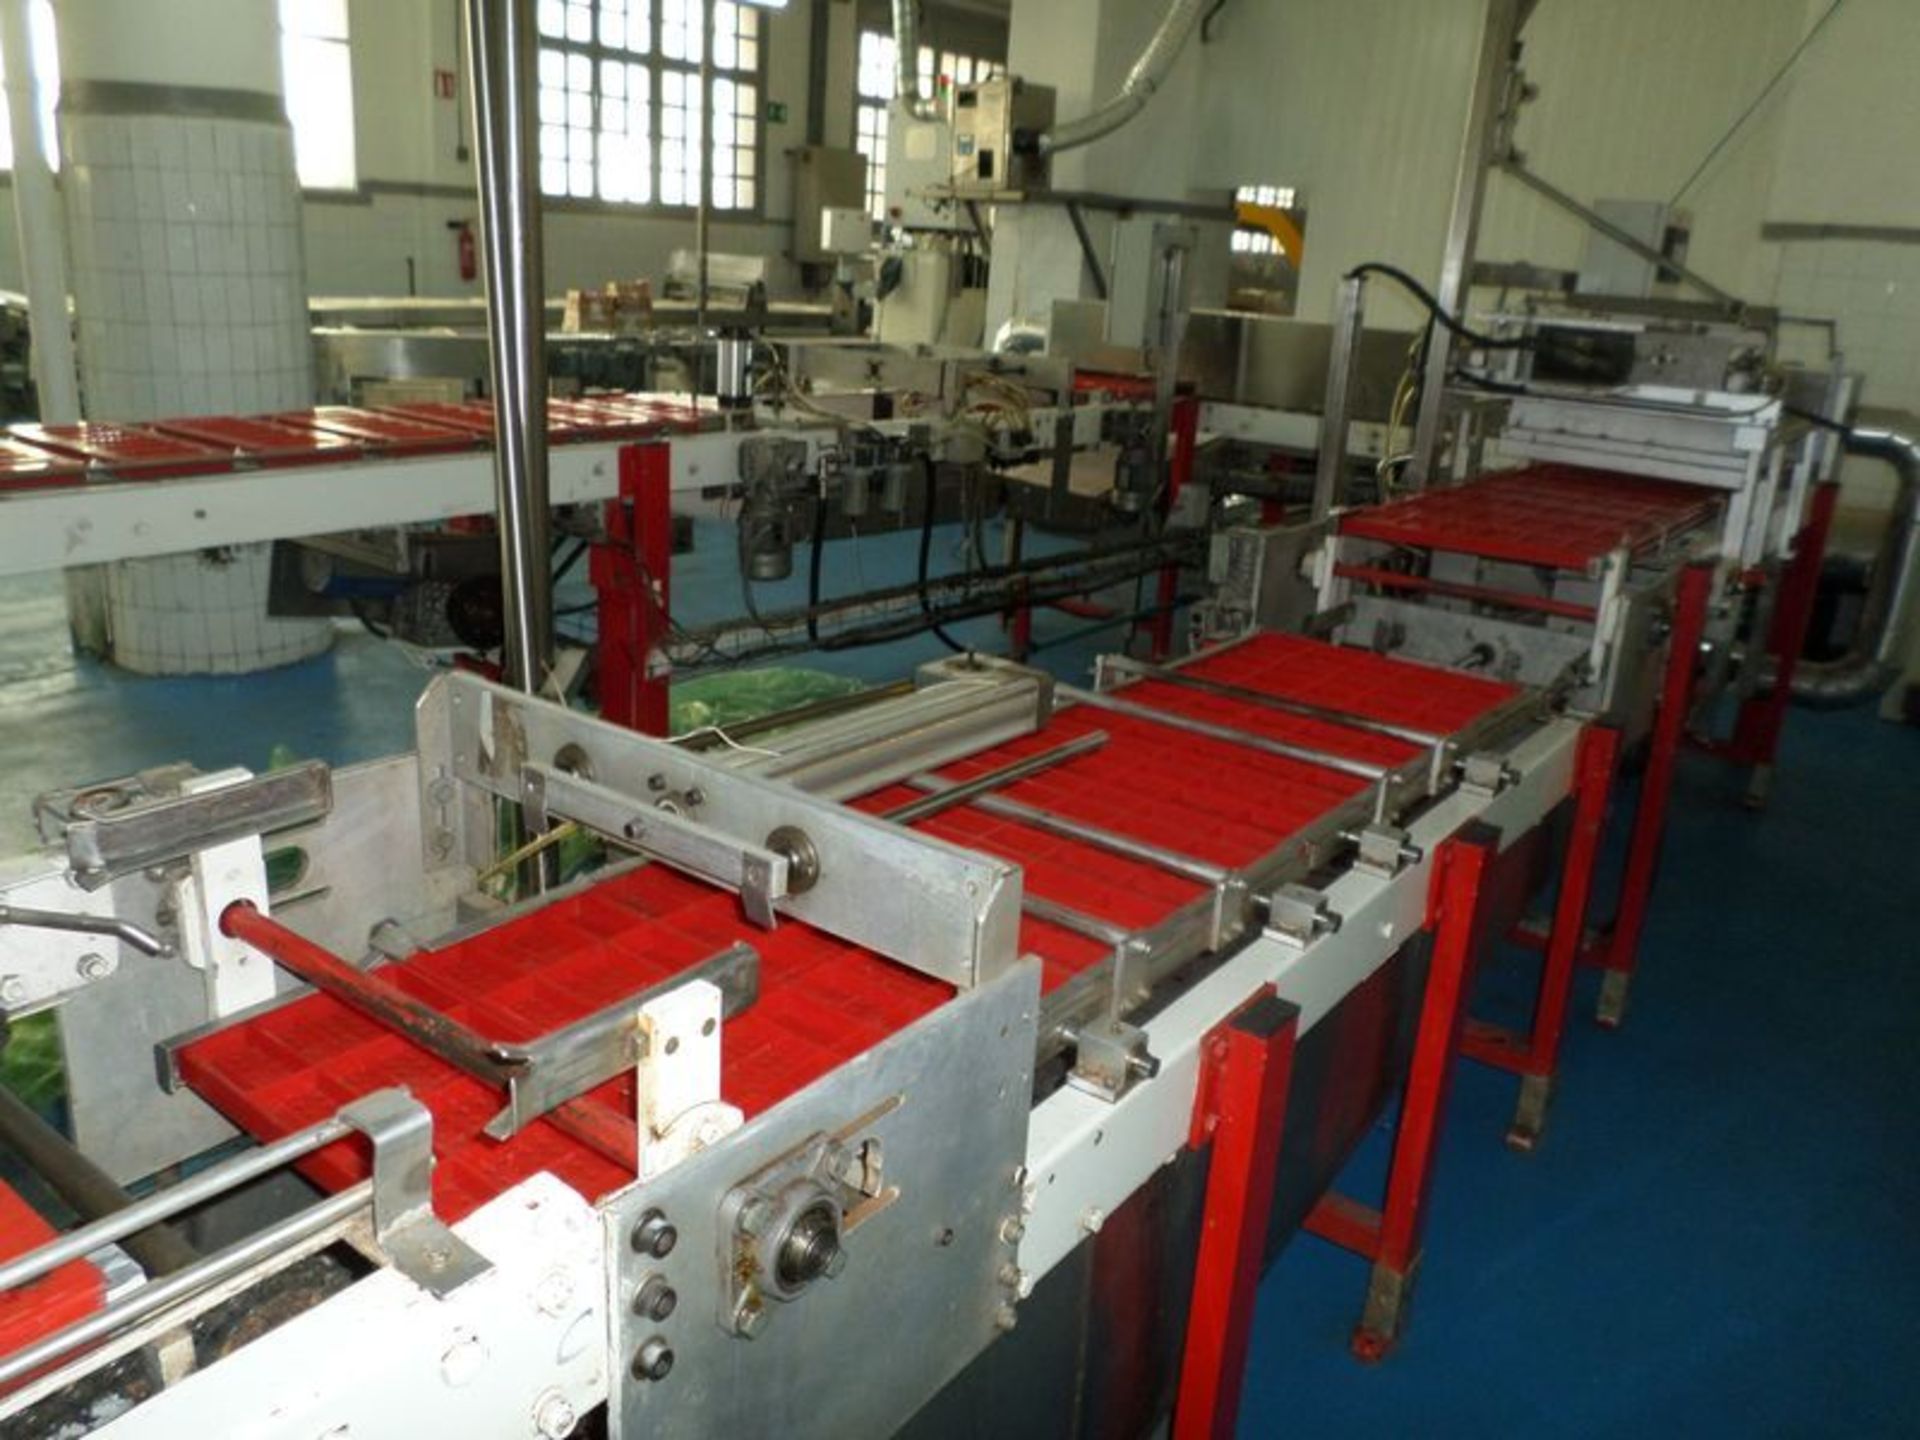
x=922 y=1291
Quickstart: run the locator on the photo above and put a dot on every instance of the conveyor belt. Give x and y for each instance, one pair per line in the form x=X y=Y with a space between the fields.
x=39 y=456
x=823 y=1001
x=36 y=1310
x=1557 y=515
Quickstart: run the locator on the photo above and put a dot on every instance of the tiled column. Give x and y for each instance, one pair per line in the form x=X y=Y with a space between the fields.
x=184 y=236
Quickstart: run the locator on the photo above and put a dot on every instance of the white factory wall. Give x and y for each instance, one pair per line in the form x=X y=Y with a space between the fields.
x=1843 y=206
x=1366 y=100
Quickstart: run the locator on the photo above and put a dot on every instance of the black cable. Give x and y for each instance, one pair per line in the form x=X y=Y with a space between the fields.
x=1426 y=298
x=1206 y=21
x=571 y=559
x=931 y=497
x=1747 y=114
x=359 y=608
x=1819 y=421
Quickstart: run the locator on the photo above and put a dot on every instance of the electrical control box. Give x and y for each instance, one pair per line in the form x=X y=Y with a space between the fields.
x=997 y=125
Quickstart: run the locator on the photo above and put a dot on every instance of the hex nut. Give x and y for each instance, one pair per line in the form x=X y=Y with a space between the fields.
x=653 y=1361
x=654 y=1235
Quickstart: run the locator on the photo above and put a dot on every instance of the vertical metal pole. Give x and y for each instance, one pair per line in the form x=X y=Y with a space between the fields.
x=703 y=210
x=502 y=48
x=1330 y=478
x=36 y=210
x=1484 y=103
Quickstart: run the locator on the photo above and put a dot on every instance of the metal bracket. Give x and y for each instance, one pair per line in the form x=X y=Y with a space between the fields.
x=1300 y=914
x=758 y=873
x=575 y=1058
x=417 y=1244
x=1485 y=774
x=130 y=824
x=1385 y=850
x=677 y=1083
x=1110 y=1057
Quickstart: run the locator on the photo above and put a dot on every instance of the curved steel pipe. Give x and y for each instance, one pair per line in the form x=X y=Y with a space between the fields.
x=1149 y=72
x=1872 y=662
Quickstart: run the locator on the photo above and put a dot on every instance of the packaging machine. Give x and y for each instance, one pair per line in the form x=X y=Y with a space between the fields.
x=914 y=1027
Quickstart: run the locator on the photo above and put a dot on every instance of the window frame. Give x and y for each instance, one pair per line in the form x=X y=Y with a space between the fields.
x=344 y=41
x=657 y=65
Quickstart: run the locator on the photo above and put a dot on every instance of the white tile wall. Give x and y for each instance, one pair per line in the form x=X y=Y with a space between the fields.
x=1872 y=288
x=189 y=283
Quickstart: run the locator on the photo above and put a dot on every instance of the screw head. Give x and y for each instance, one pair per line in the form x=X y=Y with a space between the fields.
x=12 y=990
x=95 y=966
x=653 y=1235
x=653 y=1361
x=1013 y=1230
x=554 y=1416
x=1005 y=1317
x=749 y=1316
x=656 y=1299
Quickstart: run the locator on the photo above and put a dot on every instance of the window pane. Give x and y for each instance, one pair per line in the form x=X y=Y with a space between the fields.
x=318 y=76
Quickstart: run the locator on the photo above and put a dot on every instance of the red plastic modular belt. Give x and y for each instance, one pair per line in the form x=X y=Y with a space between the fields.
x=823 y=1001
x=1559 y=515
x=36 y=1310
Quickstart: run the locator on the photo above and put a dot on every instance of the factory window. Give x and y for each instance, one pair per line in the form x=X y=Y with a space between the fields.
x=621 y=117
x=937 y=71
x=46 y=71
x=317 y=70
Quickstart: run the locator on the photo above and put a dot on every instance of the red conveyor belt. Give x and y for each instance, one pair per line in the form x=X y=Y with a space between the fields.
x=1559 y=515
x=36 y=1310
x=823 y=1001
x=40 y=456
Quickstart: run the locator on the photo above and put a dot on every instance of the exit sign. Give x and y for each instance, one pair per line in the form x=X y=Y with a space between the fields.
x=776 y=112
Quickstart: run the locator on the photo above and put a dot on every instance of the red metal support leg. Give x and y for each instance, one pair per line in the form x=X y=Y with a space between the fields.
x=1535 y=1056
x=1756 y=734
x=1241 y=1112
x=1186 y=433
x=1656 y=790
x=630 y=571
x=1390 y=1237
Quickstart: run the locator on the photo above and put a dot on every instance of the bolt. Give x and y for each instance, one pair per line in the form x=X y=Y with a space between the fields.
x=1092 y=1218
x=749 y=1316
x=754 y=1214
x=696 y=796
x=554 y=1416
x=655 y=1299
x=652 y=1235
x=1011 y=1275
x=95 y=966
x=12 y=990
x=653 y=1360
x=438 y=1257
x=1013 y=1229
x=1005 y=1317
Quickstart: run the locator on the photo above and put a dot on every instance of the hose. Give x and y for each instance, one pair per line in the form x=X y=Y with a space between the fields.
x=1872 y=661
x=1149 y=72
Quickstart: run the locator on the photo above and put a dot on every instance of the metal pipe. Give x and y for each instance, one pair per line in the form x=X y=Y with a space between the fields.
x=1872 y=661
x=36 y=211
x=1493 y=87
x=1167 y=675
x=159 y=1294
x=502 y=47
x=85 y=1186
x=1149 y=72
x=1330 y=471
x=1360 y=769
x=163 y=1204
x=72 y=923
x=944 y=795
x=703 y=202
x=906 y=62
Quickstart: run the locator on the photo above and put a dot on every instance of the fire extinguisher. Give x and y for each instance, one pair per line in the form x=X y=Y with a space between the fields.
x=464 y=246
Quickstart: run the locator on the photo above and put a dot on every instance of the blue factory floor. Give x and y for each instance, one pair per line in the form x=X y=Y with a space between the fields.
x=1721 y=1234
